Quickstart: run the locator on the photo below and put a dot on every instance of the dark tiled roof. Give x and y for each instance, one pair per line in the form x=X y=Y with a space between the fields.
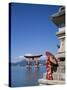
x=60 y=12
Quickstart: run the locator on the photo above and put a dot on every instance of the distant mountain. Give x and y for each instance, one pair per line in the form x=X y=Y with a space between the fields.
x=25 y=62
x=22 y=62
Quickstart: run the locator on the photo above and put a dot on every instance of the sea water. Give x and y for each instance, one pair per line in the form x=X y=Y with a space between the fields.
x=25 y=76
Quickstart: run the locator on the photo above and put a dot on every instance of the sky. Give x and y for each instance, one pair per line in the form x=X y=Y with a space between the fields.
x=32 y=31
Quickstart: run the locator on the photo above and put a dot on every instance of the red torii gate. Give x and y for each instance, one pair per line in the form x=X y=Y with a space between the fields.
x=33 y=57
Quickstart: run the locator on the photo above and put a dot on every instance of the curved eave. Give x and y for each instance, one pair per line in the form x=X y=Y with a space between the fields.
x=36 y=56
x=58 y=18
x=58 y=14
x=60 y=33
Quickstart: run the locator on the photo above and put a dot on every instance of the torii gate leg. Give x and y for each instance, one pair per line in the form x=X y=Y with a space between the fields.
x=29 y=62
x=36 y=62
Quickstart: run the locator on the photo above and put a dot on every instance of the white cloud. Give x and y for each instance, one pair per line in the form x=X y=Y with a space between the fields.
x=20 y=57
x=43 y=57
x=28 y=54
x=17 y=59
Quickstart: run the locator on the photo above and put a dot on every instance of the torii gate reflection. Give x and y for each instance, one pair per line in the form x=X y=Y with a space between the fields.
x=35 y=58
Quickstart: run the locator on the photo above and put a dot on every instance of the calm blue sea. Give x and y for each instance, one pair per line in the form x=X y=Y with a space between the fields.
x=23 y=76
